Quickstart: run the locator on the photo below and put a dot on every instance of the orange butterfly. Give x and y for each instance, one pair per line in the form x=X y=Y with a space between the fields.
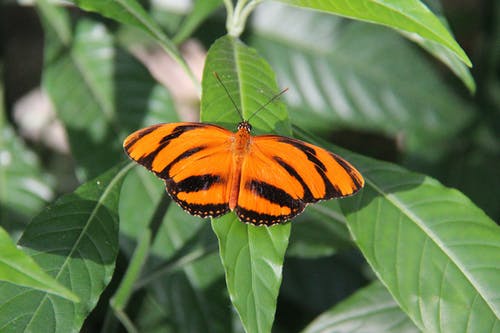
x=265 y=179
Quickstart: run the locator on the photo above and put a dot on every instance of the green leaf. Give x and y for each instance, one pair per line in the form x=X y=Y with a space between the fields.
x=371 y=309
x=250 y=82
x=252 y=256
x=436 y=252
x=411 y=16
x=359 y=78
x=18 y=268
x=100 y=92
x=253 y=260
x=130 y=12
x=75 y=240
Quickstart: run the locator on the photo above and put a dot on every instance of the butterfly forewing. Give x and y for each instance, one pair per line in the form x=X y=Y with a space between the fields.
x=192 y=158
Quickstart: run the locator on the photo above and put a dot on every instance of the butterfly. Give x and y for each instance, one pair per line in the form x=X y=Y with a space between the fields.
x=265 y=179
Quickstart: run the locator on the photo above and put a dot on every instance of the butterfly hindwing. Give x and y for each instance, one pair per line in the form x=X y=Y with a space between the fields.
x=192 y=159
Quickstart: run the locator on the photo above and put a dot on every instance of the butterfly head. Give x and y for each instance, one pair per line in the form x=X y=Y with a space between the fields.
x=245 y=125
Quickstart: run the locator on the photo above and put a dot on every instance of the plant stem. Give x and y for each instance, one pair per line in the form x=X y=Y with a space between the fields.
x=237 y=16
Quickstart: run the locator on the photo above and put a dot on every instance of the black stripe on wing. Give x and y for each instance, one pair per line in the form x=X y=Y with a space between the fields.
x=331 y=190
x=310 y=152
x=193 y=184
x=349 y=169
x=165 y=173
x=148 y=159
x=273 y=194
x=141 y=134
x=307 y=197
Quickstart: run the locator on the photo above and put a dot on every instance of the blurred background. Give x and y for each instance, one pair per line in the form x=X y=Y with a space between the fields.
x=360 y=86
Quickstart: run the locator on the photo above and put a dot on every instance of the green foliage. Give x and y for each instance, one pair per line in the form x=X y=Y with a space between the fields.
x=428 y=254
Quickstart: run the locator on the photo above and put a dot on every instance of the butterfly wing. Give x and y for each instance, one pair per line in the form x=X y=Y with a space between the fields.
x=280 y=176
x=193 y=159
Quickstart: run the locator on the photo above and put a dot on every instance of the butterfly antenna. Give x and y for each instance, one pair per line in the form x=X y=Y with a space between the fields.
x=275 y=97
x=229 y=95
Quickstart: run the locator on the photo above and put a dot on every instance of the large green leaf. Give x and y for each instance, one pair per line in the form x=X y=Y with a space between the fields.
x=75 y=240
x=98 y=90
x=253 y=260
x=371 y=309
x=356 y=75
x=130 y=12
x=410 y=16
x=251 y=84
x=18 y=268
x=436 y=252
x=252 y=256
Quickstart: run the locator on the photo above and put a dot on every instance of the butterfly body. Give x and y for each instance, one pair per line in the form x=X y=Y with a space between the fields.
x=241 y=145
x=266 y=179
